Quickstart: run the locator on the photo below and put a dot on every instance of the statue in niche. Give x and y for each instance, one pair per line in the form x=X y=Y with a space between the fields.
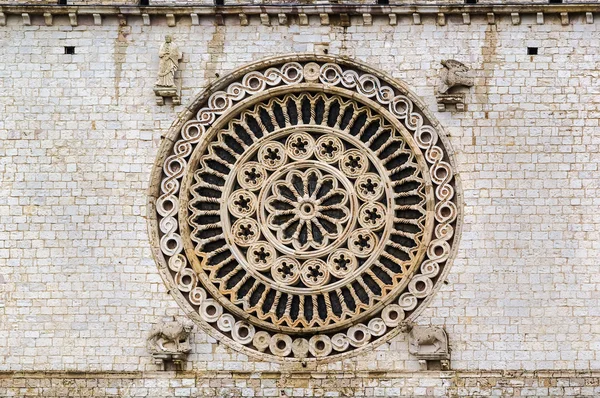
x=169 y=64
x=453 y=74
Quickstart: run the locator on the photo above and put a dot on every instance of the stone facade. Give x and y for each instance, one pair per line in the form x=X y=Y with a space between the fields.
x=80 y=291
x=300 y=384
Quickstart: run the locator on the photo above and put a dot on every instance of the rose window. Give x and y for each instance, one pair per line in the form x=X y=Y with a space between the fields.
x=305 y=222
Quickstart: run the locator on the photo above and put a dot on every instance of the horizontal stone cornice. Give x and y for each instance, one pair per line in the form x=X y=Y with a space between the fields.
x=302 y=374
x=316 y=9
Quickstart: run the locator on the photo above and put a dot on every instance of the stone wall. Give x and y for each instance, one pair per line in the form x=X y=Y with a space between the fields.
x=79 y=290
x=304 y=2
x=331 y=384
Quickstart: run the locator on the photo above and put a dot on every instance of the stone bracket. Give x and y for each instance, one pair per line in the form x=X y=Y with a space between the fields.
x=458 y=100
x=163 y=360
x=167 y=92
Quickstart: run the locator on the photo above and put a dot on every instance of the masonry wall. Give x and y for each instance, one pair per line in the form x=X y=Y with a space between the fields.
x=79 y=290
x=258 y=2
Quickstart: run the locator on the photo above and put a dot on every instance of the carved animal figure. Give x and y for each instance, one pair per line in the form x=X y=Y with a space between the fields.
x=453 y=74
x=176 y=332
x=421 y=336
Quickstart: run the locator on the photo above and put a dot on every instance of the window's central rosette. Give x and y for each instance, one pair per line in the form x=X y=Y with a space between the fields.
x=306 y=207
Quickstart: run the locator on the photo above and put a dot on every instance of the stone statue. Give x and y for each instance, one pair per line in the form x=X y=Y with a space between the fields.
x=453 y=74
x=169 y=63
x=429 y=343
x=170 y=337
x=421 y=336
x=169 y=341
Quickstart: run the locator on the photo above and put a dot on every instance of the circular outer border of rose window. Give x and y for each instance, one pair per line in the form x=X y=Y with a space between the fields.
x=167 y=224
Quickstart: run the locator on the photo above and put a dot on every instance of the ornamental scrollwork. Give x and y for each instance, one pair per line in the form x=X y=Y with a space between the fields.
x=305 y=217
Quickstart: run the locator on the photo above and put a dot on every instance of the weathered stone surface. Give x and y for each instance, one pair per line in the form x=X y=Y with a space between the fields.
x=333 y=383
x=79 y=134
x=307 y=213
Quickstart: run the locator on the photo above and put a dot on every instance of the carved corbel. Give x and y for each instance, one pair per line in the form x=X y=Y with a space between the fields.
x=169 y=342
x=429 y=344
x=73 y=19
x=48 y=18
x=453 y=78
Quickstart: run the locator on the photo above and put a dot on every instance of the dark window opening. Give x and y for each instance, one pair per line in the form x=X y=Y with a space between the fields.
x=62 y=2
x=555 y=1
x=384 y=2
x=69 y=50
x=532 y=50
x=144 y=2
x=219 y=2
x=470 y=1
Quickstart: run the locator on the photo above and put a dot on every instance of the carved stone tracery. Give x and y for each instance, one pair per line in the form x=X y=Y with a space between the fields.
x=314 y=245
x=310 y=219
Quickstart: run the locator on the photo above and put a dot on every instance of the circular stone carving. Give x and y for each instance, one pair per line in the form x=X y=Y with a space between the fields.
x=306 y=210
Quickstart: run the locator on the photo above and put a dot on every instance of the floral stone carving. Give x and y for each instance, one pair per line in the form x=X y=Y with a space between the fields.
x=305 y=210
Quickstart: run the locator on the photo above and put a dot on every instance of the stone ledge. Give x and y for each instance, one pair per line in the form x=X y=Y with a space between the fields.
x=222 y=374
x=352 y=9
x=556 y=383
x=272 y=14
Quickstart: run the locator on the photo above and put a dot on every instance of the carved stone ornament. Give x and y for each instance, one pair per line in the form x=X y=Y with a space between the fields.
x=453 y=74
x=429 y=343
x=169 y=341
x=303 y=208
x=165 y=86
